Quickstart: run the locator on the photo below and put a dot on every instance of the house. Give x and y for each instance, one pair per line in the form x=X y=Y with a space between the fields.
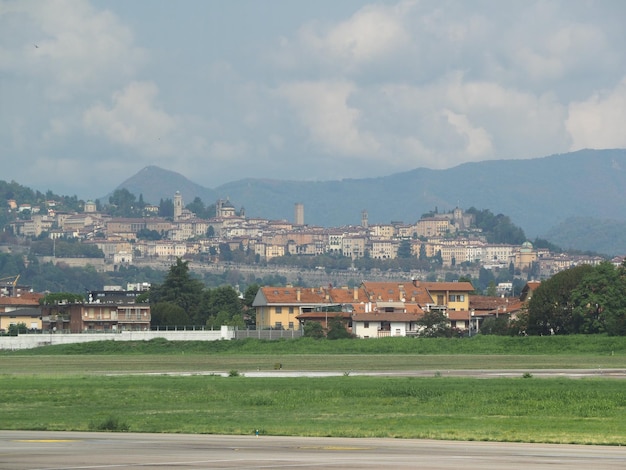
x=483 y=307
x=373 y=309
x=528 y=290
x=395 y=309
x=23 y=309
x=279 y=307
x=102 y=311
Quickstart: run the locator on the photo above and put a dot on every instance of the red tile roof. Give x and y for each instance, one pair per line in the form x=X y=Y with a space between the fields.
x=27 y=299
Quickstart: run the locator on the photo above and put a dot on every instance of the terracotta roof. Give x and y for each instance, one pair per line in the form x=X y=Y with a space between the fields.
x=492 y=305
x=457 y=315
x=289 y=295
x=447 y=286
x=396 y=291
x=484 y=302
x=346 y=296
x=28 y=299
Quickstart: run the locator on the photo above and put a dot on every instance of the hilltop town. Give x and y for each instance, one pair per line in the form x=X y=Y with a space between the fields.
x=451 y=239
x=403 y=304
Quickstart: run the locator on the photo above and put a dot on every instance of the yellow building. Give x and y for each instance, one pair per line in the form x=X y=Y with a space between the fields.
x=279 y=307
x=23 y=309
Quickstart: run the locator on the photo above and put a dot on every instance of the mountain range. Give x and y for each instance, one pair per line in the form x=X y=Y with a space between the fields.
x=584 y=189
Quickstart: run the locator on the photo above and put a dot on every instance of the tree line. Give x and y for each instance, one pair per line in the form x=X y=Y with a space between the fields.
x=581 y=300
x=182 y=300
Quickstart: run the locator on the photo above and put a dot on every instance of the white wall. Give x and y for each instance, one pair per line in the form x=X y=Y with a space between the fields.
x=29 y=341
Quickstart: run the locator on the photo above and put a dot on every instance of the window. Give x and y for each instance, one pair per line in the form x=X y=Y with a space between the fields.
x=291 y=325
x=290 y=309
x=366 y=324
x=278 y=325
x=279 y=310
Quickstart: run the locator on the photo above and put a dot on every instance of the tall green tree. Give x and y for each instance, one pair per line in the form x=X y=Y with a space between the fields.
x=122 y=203
x=600 y=301
x=166 y=208
x=404 y=249
x=180 y=289
x=551 y=309
x=168 y=314
x=224 y=302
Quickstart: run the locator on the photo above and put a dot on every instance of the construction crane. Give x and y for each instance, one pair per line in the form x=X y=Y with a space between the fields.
x=9 y=284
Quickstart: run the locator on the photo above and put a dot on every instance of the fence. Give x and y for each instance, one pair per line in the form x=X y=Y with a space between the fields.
x=268 y=334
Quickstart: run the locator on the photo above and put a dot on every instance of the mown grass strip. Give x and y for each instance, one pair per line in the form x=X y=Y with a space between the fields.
x=599 y=345
x=589 y=411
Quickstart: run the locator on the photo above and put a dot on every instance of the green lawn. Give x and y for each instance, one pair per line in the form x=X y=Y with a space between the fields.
x=105 y=385
x=589 y=411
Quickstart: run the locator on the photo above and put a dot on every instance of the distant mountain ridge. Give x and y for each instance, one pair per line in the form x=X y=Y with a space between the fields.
x=156 y=183
x=537 y=194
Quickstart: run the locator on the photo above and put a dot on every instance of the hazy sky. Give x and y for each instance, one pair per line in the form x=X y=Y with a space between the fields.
x=93 y=91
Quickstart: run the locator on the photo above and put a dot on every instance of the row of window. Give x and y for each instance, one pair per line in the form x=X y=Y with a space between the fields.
x=280 y=310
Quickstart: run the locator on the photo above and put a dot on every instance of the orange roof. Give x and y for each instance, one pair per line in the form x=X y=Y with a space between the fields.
x=28 y=299
x=346 y=296
x=396 y=291
x=447 y=286
x=289 y=295
x=494 y=305
x=459 y=315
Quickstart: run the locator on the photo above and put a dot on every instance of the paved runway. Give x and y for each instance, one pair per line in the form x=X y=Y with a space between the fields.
x=26 y=450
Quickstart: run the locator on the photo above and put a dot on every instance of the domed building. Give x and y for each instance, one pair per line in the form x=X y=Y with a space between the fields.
x=525 y=256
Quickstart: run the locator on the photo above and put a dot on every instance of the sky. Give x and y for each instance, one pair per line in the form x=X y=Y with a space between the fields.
x=92 y=91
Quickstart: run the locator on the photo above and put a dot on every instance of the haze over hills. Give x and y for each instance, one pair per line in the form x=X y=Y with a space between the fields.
x=537 y=194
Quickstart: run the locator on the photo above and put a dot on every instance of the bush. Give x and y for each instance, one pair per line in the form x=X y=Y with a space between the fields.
x=337 y=330
x=111 y=423
x=313 y=329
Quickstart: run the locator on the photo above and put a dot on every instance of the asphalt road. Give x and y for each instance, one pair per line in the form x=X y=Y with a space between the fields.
x=26 y=450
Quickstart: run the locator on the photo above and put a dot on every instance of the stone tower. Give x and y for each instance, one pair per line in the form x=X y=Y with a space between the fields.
x=299 y=214
x=178 y=205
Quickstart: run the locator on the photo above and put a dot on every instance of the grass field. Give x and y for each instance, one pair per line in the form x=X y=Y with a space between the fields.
x=104 y=386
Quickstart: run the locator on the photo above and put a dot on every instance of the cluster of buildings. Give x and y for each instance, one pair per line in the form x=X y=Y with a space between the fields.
x=450 y=236
x=381 y=309
x=111 y=309
x=371 y=310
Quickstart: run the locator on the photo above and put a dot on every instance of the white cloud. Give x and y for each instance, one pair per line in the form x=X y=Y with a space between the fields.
x=134 y=119
x=554 y=54
x=331 y=122
x=598 y=122
x=369 y=35
x=478 y=139
x=73 y=47
x=353 y=89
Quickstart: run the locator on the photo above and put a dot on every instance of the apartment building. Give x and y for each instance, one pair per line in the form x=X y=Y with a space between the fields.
x=376 y=308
